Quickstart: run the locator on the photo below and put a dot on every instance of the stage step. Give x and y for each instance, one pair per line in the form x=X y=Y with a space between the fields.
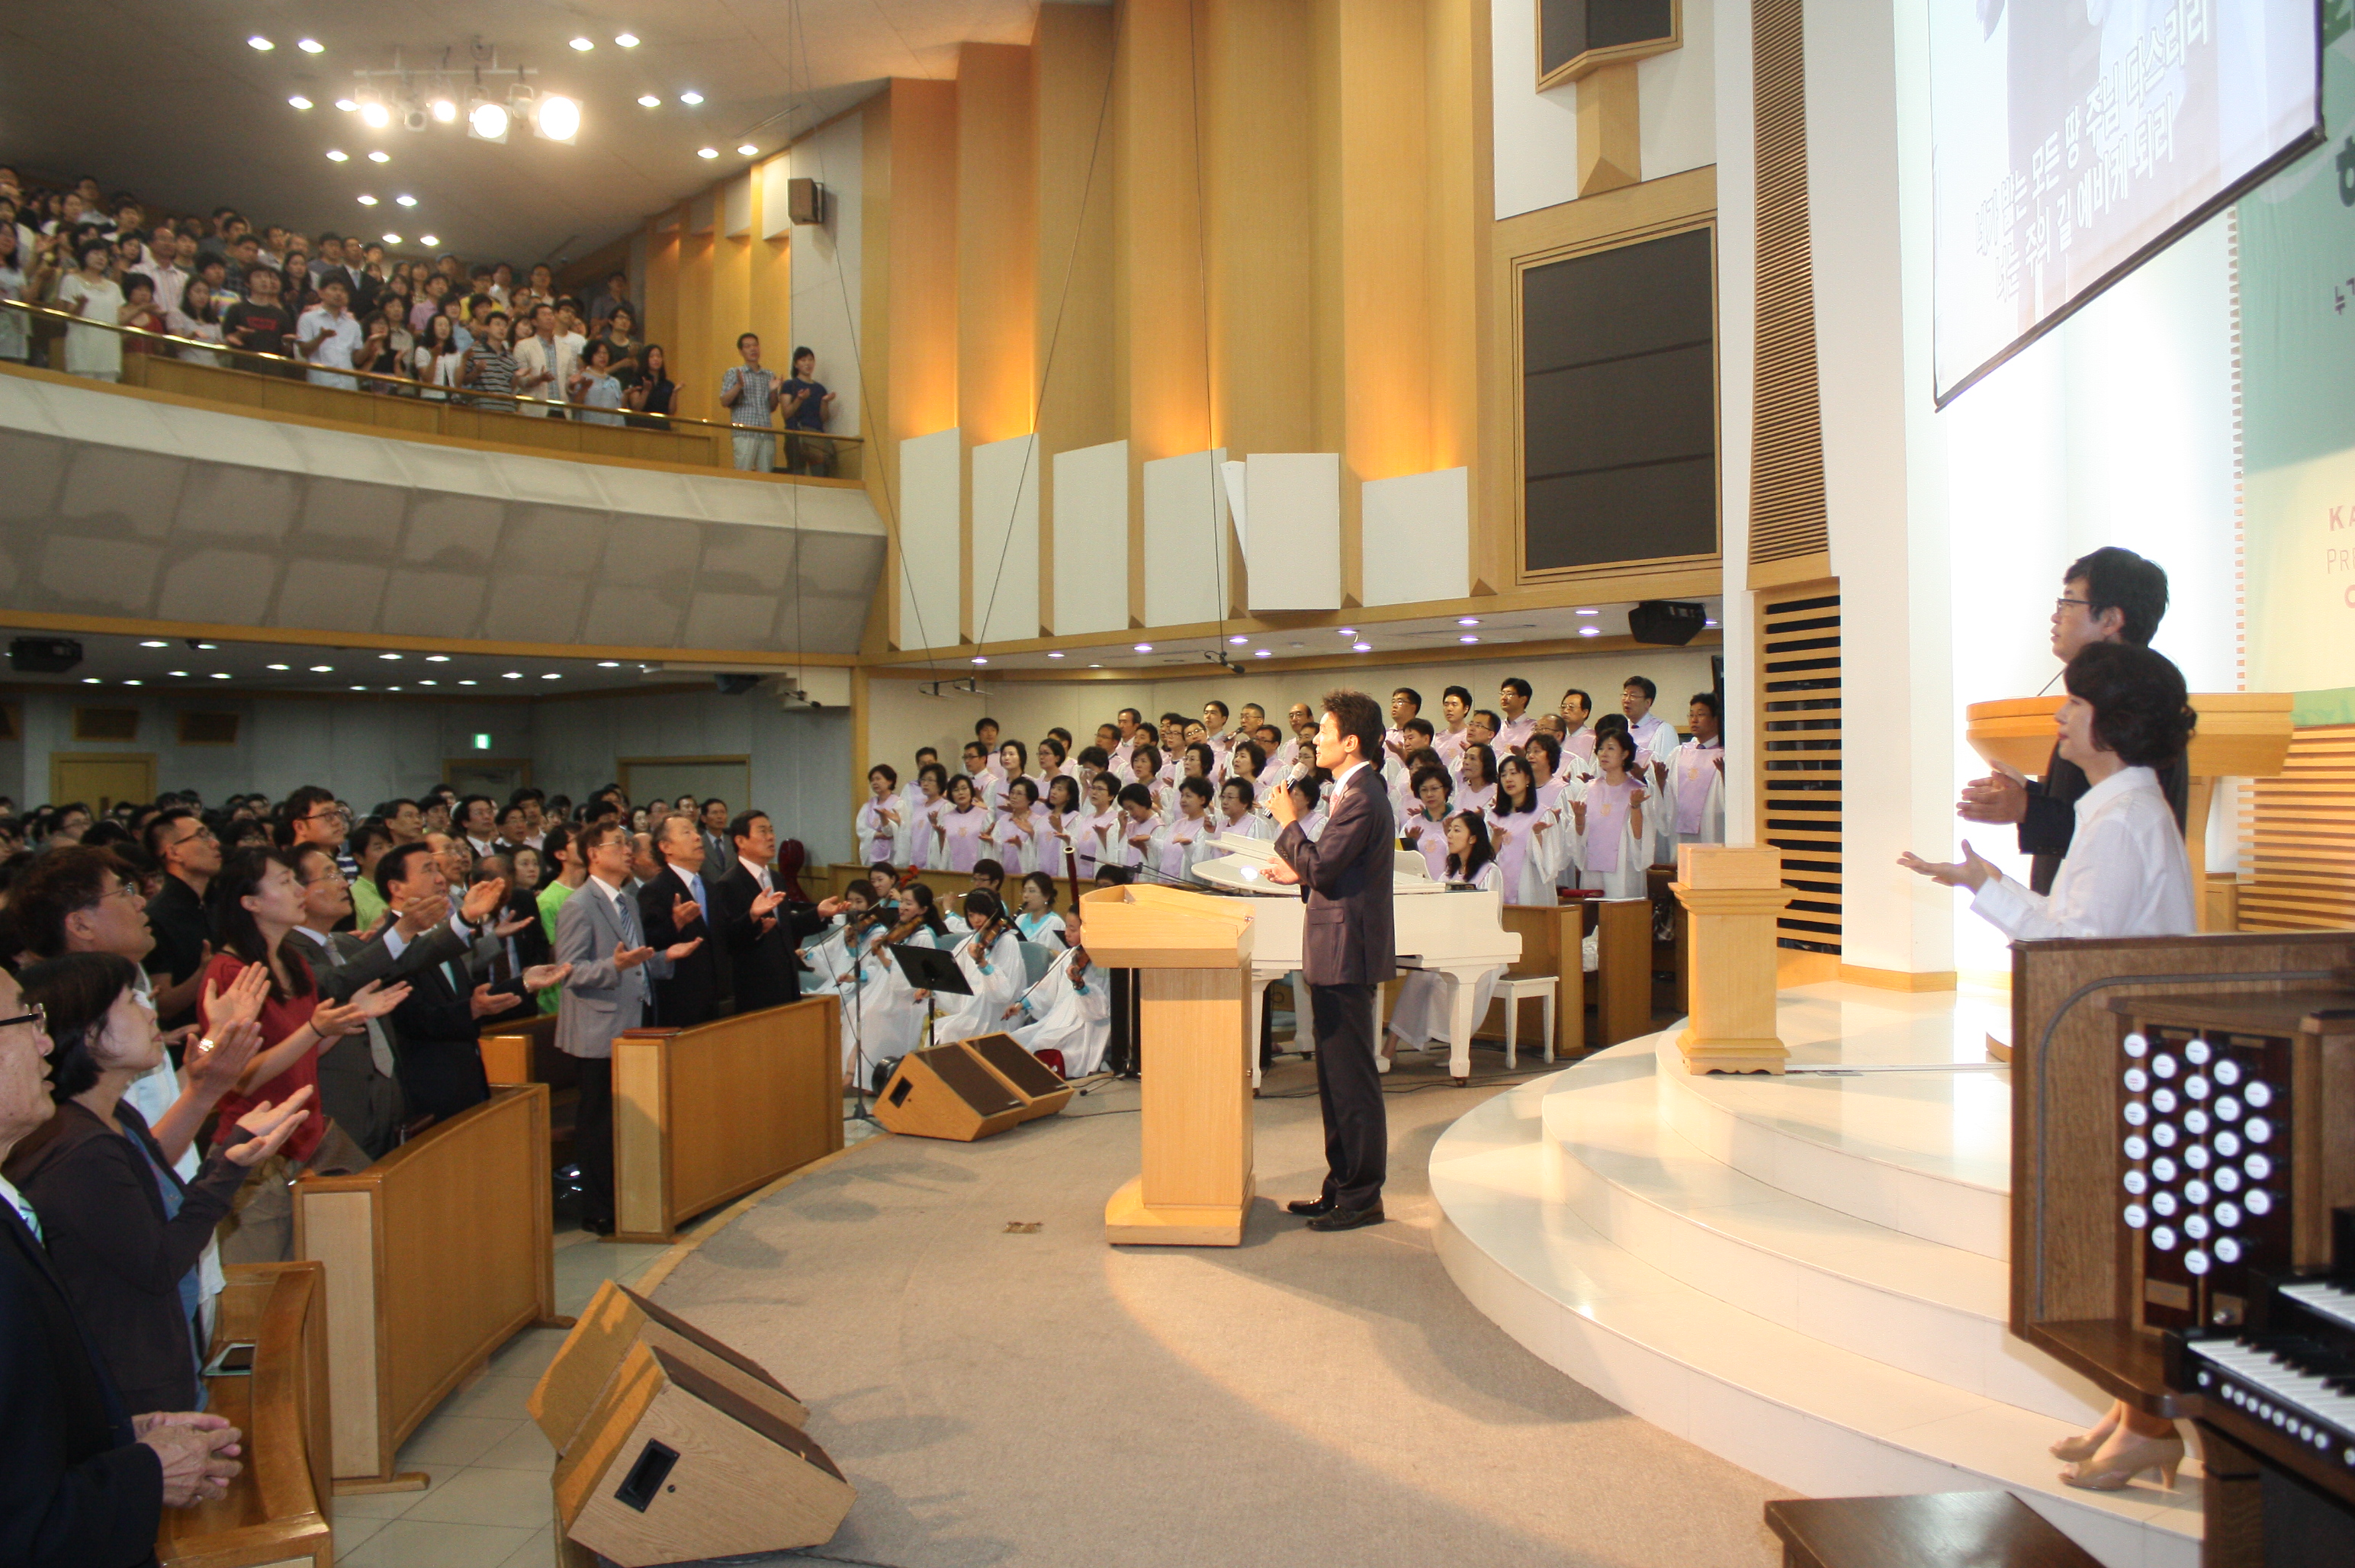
x=1913 y=1304
x=1799 y=1410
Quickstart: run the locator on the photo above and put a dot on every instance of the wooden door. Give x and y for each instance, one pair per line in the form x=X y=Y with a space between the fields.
x=99 y=779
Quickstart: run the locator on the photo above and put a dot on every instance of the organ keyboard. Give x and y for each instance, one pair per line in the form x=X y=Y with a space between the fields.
x=1457 y=932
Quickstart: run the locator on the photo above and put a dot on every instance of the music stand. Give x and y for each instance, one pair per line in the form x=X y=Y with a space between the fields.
x=932 y=969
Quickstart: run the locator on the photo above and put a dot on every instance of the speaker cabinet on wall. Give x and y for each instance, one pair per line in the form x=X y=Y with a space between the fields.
x=968 y=1090
x=672 y=1465
x=617 y=1318
x=1579 y=37
x=806 y=201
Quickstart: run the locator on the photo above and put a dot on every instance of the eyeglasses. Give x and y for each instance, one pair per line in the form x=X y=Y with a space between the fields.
x=122 y=890
x=38 y=1017
x=333 y=813
x=192 y=837
x=336 y=877
x=2061 y=606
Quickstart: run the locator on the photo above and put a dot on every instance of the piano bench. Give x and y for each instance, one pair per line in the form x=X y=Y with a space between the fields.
x=1986 y=1529
x=1510 y=990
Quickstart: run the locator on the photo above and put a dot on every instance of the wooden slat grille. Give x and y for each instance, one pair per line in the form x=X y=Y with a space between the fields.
x=1800 y=777
x=2297 y=836
x=1786 y=460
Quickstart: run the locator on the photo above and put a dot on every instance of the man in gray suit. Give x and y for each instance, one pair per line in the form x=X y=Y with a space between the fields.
x=599 y=937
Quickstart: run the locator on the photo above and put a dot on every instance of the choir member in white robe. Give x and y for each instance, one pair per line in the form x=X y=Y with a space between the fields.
x=1036 y=920
x=1019 y=823
x=1611 y=823
x=1131 y=734
x=1656 y=749
x=882 y=823
x=991 y=962
x=1555 y=792
x=1248 y=761
x=1475 y=781
x=925 y=850
x=1069 y=1012
x=1139 y=823
x=1238 y=813
x=987 y=782
x=1518 y=831
x=1404 y=802
x=1145 y=772
x=1199 y=761
x=1405 y=703
x=879 y=1018
x=1058 y=834
x=1453 y=733
x=1308 y=802
x=1426 y=998
x=1577 y=709
x=1513 y=696
x=1189 y=838
x=1426 y=827
x=1696 y=792
x=1055 y=762
x=1096 y=834
x=1217 y=735
x=1014 y=762
x=963 y=826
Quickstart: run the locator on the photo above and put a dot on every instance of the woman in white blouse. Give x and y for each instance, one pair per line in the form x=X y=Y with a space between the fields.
x=879 y=827
x=1426 y=998
x=2126 y=874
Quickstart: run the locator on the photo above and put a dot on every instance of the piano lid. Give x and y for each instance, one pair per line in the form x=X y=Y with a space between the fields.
x=1243 y=869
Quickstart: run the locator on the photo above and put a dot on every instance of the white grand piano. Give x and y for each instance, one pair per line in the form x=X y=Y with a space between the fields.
x=1457 y=930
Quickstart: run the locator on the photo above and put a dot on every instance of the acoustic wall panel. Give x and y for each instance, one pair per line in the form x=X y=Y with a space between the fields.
x=736 y=206
x=1294 y=501
x=930 y=497
x=1185 y=540
x=1091 y=540
x=776 y=220
x=1005 y=540
x=1417 y=538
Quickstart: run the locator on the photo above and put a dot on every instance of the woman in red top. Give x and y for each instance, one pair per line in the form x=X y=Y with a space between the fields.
x=259 y=900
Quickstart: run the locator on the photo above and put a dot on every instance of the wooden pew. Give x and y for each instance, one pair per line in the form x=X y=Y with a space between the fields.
x=524 y=1051
x=278 y=1511
x=436 y=1256
x=705 y=1114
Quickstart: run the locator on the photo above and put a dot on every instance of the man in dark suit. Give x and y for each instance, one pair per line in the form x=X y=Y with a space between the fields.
x=759 y=927
x=82 y=1485
x=1347 y=948
x=440 y=1024
x=675 y=907
x=2110 y=596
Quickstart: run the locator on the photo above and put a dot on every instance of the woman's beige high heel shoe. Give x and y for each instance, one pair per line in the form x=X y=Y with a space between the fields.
x=2086 y=1444
x=2124 y=1457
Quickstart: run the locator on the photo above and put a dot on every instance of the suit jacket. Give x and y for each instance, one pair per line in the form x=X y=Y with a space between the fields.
x=601 y=998
x=2051 y=824
x=1345 y=874
x=77 y=1489
x=440 y=1052
x=120 y=1260
x=765 y=965
x=698 y=982
x=353 y=1093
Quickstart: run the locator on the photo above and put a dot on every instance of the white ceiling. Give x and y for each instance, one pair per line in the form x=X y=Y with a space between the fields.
x=170 y=102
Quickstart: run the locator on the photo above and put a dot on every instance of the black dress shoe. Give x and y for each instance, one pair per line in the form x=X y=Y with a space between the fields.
x=1311 y=1207
x=1346 y=1219
x=598 y=1227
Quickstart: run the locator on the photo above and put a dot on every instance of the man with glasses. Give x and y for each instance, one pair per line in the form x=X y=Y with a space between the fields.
x=2110 y=596
x=79 y=1481
x=190 y=855
x=313 y=816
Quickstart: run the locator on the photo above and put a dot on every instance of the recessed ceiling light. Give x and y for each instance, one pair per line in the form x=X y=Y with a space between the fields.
x=465 y=683
x=220 y=675
x=259 y=42
x=1096 y=666
x=1709 y=623
x=1348 y=631
x=512 y=675
x=1589 y=611
x=584 y=44
x=299 y=101
x=648 y=101
x=437 y=658
x=345 y=104
x=207 y=647
x=609 y=664
x=310 y=46
x=380 y=157
x=1145 y=647
x=1590 y=631
x=280 y=667
x=154 y=642
x=134 y=683
x=979 y=659
x=428 y=239
x=89 y=680
x=1363 y=647
x=1261 y=653
x=405 y=200
x=690 y=98
x=181 y=674
x=747 y=150
x=626 y=40
x=323 y=669
x=1469 y=637
x=429 y=683
x=392 y=238
x=367 y=201
x=1238 y=641
x=707 y=151
x=359 y=688
x=1467 y=620
x=392 y=688
x=551 y=675
x=337 y=155
x=387 y=656
x=1055 y=653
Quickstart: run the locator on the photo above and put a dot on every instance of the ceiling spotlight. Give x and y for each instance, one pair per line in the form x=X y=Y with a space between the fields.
x=336 y=155
x=367 y=201
x=1467 y=620
x=89 y=680
x=206 y=646
x=584 y=44
x=380 y=157
x=299 y=101
x=323 y=669
x=1590 y=631
x=1709 y=623
x=558 y=118
x=690 y=98
x=625 y=40
x=310 y=46
x=437 y=658
x=345 y=104
x=181 y=673
x=1348 y=631
x=134 y=683
x=488 y=121
x=979 y=659
x=154 y=642
x=551 y=675
x=707 y=151
x=405 y=200
x=259 y=42
x=648 y=101
x=466 y=683
x=220 y=675
x=1363 y=647
x=445 y=109
x=429 y=683
x=1469 y=637
x=392 y=238
x=429 y=239
x=280 y=667
x=1587 y=612
x=1145 y=647
x=375 y=115
x=1055 y=653
x=1261 y=653
x=747 y=150
x=359 y=688
x=387 y=656
x=1238 y=641
x=512 y=675
x=609 y=664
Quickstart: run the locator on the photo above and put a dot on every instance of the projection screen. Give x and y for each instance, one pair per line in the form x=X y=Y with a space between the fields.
x=2071 y=139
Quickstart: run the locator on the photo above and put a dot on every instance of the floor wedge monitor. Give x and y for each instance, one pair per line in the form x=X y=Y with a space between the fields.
x=616 y=1318
x=968 y=1089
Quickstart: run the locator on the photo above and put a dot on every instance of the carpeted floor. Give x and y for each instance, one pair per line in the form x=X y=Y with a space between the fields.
x=1040 y=1398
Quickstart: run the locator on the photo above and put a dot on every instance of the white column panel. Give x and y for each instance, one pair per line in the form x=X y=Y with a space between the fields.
x=1417 y=533
x=736 y=206
x=1186 y=538
x=930 y=496
x=1005 y=540
x=826 y=260
x=776 y=219
x=1091 y=540
x=1293 y=498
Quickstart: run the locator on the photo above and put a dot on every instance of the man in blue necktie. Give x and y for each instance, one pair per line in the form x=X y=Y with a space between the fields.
x=675 y=907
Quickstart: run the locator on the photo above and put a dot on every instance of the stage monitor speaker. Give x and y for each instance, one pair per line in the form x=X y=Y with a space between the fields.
x=671 y=1465
x=616 y=1318
x=969 y=1089
x=1667 y=623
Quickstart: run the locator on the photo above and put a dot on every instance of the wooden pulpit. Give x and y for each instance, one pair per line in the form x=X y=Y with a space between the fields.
x=1192 y=955
x=1733 y=896
x=2241 y=735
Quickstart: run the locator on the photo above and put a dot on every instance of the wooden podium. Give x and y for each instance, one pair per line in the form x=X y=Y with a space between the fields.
x=2241 y=735
x=1733 y=895
x=1192 y=955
